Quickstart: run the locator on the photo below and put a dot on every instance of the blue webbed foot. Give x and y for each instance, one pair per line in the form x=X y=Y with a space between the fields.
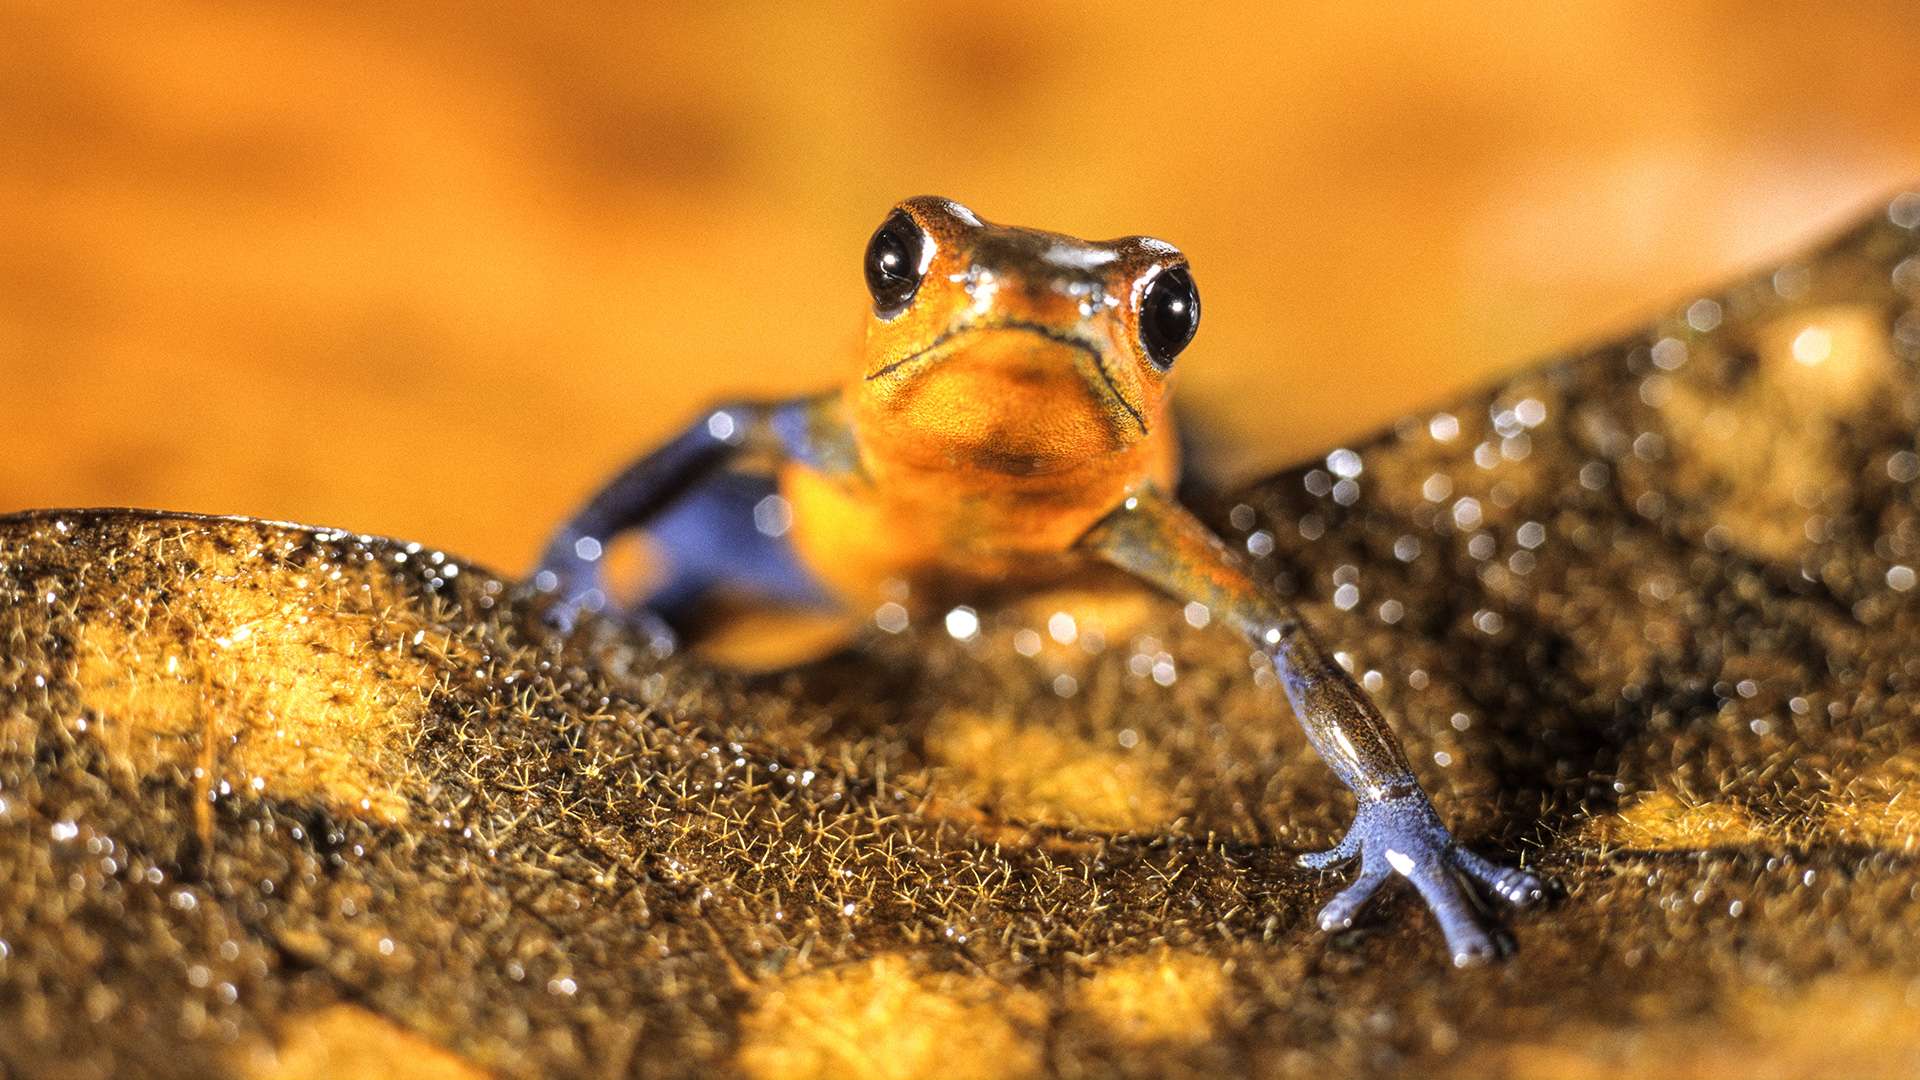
x=1403 y=835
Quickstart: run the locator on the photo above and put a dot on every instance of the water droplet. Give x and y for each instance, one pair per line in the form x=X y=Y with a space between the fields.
x=890 y=617
x=1904 y=210
x=1669 y=354
x=1813 y=345
x=1466 y=513
x=773 y=516
x=1792 y=282
x=1703 y=315
x=963 y=623
x=1344 y=463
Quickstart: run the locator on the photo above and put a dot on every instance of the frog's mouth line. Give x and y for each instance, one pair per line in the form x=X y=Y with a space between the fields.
x=1088 y=348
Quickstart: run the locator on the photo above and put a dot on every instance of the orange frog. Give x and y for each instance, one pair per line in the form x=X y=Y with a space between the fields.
x=1010 y=428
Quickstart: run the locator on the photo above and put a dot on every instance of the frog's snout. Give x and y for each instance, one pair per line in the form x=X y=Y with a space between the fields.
x=1017 y=392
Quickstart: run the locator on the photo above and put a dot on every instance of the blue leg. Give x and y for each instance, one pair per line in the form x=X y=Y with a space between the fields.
x=728 y=532
x=702 y=512
x=1396 y=830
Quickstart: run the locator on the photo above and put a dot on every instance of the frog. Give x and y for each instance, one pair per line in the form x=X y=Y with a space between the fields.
x=1009 y=428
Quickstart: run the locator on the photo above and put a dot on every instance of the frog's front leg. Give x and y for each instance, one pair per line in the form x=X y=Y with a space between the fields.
x=685 y=492
x=1396 y=829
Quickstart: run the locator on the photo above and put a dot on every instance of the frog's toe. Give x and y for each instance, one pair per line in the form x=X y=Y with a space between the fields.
x=575 y=604
x=646 y=624
x=1468 y=941
x=1345 y=906
x=1347 y=848
x=1472 y=947
x=565 y=612
x=1515 y=886
x=657 y=632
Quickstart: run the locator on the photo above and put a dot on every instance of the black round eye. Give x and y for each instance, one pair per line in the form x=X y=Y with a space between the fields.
x=893 y=264
x=1169 y=315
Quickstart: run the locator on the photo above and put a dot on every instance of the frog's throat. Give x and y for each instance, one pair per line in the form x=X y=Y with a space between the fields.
x=935 y=352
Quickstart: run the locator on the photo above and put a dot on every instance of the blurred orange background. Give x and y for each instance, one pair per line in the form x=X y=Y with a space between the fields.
x=434 y=270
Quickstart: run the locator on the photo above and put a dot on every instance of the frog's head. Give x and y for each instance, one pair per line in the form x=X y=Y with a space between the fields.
x=1017 y=350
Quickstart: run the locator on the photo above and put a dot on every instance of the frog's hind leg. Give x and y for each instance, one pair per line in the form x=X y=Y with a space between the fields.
x=728 y=533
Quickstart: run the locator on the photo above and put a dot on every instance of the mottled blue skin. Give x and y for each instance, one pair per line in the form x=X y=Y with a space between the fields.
x=699 y=514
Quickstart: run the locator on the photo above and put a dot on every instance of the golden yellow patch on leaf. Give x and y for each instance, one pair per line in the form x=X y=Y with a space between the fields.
x=1851 y=1026
x=1880 y=808
x=1161 y=996
x=1037 y=774
x=1767 y=447
x=303 y=685
x=1662 y=821
x=1107 y=608
x=343 y=1042
x=887 y=1020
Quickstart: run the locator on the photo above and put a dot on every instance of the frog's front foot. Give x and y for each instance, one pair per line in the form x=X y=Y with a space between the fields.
x=572 y=599
x=579 y=595
x=1403 y=835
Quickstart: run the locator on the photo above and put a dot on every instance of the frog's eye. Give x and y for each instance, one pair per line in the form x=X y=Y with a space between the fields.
x=895 y=263
x=1169 y=315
